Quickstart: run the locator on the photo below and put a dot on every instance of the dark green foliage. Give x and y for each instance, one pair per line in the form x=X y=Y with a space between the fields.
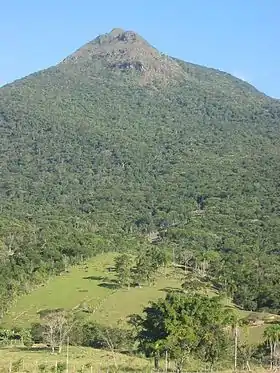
x=60 y=367
x=17 y=335
x=92 y=150
x=272 y=336
x=108 y=337
x=42 y=368
x=184 y=325
x=35 y=249
x=247 y=353
x=123 y=268
x=147 y=264
x=37 y=331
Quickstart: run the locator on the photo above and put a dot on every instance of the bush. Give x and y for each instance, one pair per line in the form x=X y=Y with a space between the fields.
x=42 y=368
x=59 y=368
x=98 y=336
x=37 y=332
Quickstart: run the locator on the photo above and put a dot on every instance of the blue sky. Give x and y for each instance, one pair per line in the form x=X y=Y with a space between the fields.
x=238 y=36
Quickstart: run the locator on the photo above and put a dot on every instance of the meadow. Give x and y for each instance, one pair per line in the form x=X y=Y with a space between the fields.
x=91 y=285
x=83 y=360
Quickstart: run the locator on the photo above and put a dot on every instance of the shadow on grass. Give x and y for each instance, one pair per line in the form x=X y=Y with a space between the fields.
x=109 y=285
x=111 y=269
x=24 y=348
x=130 y=369
x=48 y=311
x=105 y=282
x=94 y=278
x=169 y=289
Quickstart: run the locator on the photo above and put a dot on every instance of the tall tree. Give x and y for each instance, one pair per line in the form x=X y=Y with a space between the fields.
x=148 y=263
x=272 y=336
x=144 y=271
x=55 y=328
x=183 y=325
x=124 y=267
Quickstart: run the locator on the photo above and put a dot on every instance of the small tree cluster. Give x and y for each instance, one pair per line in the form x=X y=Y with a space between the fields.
x=143 y=270
x=16 y=335
x=272 y=337
x=124 y=267
x=147 y=264
x=55 y=328
x=183 y=325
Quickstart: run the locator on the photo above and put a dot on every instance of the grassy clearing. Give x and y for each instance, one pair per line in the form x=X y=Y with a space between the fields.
x=91 y=284
x=89 y=360
x=80 y=359
x=253 y=334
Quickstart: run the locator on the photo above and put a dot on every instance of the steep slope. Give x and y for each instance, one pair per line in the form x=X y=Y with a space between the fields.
x=126 y=139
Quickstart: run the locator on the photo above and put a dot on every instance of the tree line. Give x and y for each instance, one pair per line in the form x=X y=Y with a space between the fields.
x=175 y=330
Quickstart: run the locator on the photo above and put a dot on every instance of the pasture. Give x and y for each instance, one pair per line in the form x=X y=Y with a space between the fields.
x=94 y=286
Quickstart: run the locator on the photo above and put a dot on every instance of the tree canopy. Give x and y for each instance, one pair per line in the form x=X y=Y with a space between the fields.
x=183 y=325
x=96 y=153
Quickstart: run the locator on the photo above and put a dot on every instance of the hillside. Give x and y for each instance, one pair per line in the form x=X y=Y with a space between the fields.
x=91 y=286
x=117 y=141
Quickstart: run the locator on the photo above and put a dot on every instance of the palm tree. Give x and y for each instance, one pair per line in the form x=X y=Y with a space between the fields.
x=272 y=336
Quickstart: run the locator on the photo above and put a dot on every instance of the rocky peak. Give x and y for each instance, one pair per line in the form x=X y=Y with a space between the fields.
x=120 y=35
x=121 y=50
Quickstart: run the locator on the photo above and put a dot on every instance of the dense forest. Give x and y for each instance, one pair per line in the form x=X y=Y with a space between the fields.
x=118 y=141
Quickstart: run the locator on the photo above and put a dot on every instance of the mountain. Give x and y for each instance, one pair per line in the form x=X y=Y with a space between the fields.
x=119 y=139
x=125 y=50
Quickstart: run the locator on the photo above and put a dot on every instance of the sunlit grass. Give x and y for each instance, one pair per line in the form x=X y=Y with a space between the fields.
x=92 y=284
x=88 y=359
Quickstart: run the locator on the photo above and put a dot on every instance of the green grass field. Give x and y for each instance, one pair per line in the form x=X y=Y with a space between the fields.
x=91 y=284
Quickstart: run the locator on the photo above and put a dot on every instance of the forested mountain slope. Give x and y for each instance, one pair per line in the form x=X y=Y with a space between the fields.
x=119 y=139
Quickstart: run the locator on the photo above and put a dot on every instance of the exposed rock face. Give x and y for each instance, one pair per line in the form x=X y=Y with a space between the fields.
x=127 y=51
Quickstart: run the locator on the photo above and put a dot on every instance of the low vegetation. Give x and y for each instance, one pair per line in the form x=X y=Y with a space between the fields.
x=87 y=360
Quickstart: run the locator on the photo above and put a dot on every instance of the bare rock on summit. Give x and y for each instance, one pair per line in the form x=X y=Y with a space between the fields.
x=122 y=50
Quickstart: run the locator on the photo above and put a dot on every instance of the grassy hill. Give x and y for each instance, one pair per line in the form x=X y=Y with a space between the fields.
x=92 y=285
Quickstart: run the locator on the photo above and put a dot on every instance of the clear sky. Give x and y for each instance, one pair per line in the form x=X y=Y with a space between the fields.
x=239 y=36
